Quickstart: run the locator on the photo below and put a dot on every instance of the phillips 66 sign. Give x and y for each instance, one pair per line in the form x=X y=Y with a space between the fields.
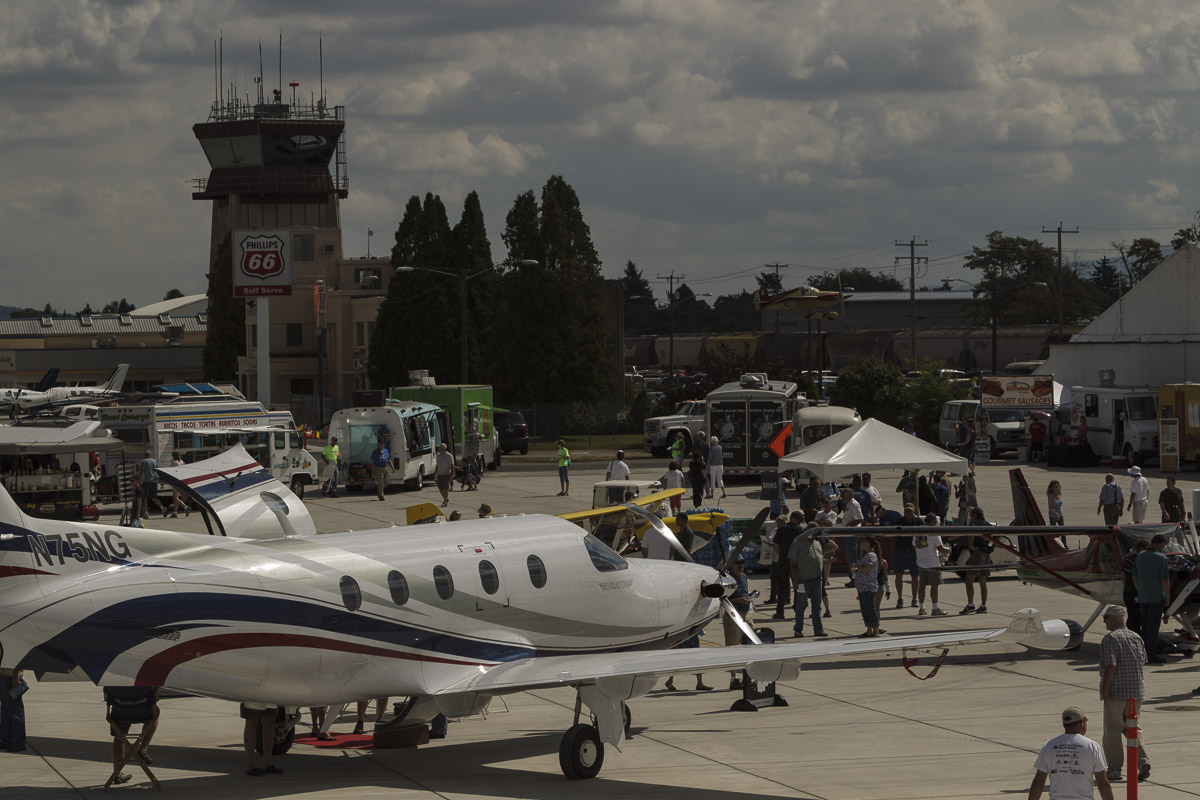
x=262 y=263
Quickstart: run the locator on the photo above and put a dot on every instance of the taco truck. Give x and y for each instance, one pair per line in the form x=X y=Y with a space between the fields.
x=200 y=429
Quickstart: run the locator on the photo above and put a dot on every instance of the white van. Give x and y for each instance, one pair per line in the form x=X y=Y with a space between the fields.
x=411 y=431
x=1121 y=420
x=1006 y=426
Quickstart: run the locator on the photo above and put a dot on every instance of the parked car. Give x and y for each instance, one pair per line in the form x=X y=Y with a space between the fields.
x=514 y=433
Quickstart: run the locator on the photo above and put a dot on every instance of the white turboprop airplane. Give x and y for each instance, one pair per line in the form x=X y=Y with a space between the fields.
x=66 y=395
x=447 y=615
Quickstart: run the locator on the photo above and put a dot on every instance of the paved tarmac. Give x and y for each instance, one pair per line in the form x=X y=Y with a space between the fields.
x=861 y=728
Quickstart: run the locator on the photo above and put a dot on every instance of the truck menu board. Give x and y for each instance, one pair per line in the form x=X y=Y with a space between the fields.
x=1017 y=391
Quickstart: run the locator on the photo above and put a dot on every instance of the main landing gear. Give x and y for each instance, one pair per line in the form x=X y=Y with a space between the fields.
x=581 y=752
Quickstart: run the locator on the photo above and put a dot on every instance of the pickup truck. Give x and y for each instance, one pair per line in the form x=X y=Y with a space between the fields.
x=660 y=431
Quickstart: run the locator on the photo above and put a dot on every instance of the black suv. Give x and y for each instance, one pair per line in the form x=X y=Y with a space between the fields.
x=514 y=433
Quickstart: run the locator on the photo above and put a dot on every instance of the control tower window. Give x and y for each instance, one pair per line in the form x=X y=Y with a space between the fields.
x=305 y=246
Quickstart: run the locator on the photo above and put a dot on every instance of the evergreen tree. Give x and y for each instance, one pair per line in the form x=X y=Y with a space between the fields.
x=472 y=253
x=172 y=294
x=1107 y=278
x=557 y=350
x=641 y=313
x=226 y=338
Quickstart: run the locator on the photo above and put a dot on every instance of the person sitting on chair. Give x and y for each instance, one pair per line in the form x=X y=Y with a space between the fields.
x=127 y=706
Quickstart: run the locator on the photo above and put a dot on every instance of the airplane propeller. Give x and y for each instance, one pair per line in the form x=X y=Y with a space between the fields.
x=668 y=534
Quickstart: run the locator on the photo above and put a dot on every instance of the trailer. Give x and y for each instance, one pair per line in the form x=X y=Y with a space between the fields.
x=472 y=427
x=752 y=419
x=411 y=432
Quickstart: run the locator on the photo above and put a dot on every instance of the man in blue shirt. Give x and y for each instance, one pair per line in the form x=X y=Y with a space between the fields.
x=1153 y=586
x=380 y=460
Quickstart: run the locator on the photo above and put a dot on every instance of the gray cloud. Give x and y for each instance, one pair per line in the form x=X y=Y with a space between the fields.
x=702 y=136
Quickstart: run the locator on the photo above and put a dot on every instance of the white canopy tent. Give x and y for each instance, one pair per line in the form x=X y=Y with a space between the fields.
x=870 y=446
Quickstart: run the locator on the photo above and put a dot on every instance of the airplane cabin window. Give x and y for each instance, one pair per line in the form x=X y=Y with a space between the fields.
x=537 y=571
x=489 y=577
x=398 y=586
x=603 y=558
x=351 y=594
x=443 y=582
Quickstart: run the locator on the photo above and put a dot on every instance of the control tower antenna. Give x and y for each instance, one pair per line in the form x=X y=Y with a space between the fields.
x=216 y=80
x=280 y=93
x=259 y=81
x=221 y=69
x=321 y=65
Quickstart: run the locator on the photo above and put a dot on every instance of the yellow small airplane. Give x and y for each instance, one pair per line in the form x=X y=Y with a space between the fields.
x=620 y=530
x=613 y=525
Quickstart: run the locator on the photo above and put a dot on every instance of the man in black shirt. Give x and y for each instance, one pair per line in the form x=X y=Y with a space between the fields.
x=781 y=572
x=810 y=502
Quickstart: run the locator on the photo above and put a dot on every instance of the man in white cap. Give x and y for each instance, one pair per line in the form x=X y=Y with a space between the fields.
x=1071 y=762
x=1139 y=495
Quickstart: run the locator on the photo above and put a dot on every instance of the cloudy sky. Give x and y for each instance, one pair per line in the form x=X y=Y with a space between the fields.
x=702 y=136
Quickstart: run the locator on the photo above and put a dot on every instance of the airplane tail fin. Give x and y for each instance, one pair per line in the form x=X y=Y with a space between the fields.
x=117 y=380
x=48 y=380
x=16 y=554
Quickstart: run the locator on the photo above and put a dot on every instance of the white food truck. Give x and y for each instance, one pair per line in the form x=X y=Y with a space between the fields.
x=1122 y=421
x=202 y=429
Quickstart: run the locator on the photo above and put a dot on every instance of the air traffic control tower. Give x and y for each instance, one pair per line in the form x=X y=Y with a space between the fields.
x=280 y=165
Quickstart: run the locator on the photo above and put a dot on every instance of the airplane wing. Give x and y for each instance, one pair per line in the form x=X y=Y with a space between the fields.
x=648 y=500
x=621 y=676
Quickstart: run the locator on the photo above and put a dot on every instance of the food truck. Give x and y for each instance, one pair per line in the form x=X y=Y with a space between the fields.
x=47 y=469
x=752 y=419
x=470 y=407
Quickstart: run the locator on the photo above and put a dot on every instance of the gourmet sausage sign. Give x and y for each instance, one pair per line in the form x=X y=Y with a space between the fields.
x=1017 y=391
x=262 y=264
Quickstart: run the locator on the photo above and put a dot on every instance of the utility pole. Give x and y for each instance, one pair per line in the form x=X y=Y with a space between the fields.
x=776 y=267
x=912 y=244
x=670 y=279
x=1059 y=230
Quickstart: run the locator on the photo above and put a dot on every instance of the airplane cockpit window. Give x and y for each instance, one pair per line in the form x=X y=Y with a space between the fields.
x=398 y=586
x=537 y=571
x=1109 y=562
x=443 y=582
x=351 y=594
x=489 y=577
x=603 y=558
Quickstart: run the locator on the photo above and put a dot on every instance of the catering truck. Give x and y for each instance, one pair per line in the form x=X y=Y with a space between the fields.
x=1122 y=421
x=471 y=419
x=411 y=431
x=200 y=429
x=752 y=418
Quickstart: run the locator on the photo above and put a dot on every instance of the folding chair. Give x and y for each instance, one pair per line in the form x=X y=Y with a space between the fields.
x=129 y=706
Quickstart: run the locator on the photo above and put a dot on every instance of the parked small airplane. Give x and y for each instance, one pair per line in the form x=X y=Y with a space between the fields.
x=66 y=395
x=10 y=396
x=447 y=615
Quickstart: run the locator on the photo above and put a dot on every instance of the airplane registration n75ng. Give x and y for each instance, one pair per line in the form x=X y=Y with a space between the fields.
x=449 y=615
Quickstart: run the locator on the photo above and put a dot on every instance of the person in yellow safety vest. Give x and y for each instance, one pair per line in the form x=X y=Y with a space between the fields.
x=677 y=449
x=564 y=462
x=331 y=454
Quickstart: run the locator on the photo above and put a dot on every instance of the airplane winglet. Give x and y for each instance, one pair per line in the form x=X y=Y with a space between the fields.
x=1028 y=628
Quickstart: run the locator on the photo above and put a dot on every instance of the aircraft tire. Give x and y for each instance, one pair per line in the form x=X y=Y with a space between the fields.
x=581 y=753
x=285 y=734
x=297 y=487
